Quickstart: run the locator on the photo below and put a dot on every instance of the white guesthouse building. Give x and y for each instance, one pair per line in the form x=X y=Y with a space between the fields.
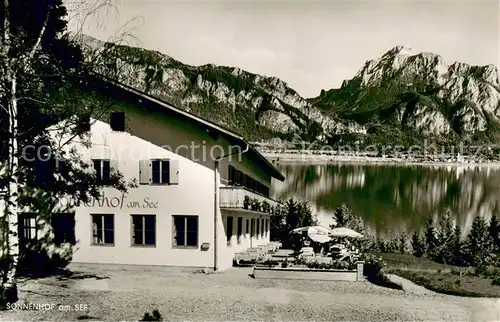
x=184 y=212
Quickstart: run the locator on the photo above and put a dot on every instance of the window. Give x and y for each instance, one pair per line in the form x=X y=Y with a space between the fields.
x=27 y=229
x=103 y=170
x=159 y=172
x=240 y=229
x=262 y=228
x=143 y=230
x=45 y=166
x=267 y=227
x=231 y=175
x=103 y=231
x=252 y=230
x=258 y=228
x=238 y=178
x=247 y=227
x=63 y=226
x=185 y=231
x=264 y=190
x=229 y=230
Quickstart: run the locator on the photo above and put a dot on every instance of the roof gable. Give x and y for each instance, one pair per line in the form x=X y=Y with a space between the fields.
x=252 y=153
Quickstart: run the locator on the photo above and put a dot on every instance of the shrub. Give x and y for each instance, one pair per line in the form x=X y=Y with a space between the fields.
x=341 y=265
x=496 y=281
x=373 y=265
x=374 y=272
x=35 y=261
x=155 y=316
x=270 y=263
x=462 y=271
x=347 y=265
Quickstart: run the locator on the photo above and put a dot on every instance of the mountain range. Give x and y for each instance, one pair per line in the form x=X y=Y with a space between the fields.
x=397 y=97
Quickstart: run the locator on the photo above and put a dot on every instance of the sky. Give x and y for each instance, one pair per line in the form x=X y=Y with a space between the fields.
x=311 y=45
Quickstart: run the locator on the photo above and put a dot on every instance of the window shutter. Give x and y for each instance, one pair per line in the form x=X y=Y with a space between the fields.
x=144 y=172
x=174 y=171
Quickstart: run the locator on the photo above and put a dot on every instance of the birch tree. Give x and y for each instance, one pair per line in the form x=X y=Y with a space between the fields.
x=45 y=80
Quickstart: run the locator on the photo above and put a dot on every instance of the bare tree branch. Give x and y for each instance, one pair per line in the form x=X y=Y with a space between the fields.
x=4 y=108
x=24 y=98
x=104 y=110
x=93 y=10
x=39 y=38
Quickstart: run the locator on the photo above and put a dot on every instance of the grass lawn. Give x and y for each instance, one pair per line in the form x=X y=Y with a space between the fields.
x=440 y=278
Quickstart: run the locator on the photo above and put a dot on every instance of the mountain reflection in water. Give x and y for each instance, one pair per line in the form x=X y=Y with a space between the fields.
x=394 y=199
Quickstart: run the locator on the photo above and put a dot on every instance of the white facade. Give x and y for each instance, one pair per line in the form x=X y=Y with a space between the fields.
x=190 y=194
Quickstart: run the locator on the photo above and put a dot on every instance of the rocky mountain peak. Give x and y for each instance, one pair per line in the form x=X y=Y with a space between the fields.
x=404 y=92
x=399 y=50
x=403 y=61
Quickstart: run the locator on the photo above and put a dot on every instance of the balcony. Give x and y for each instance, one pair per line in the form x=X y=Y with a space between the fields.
x=236 y=197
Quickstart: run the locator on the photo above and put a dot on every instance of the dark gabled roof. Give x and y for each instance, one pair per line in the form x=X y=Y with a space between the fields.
x=253 y=154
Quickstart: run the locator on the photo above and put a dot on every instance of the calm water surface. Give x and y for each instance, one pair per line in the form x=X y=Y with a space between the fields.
x=394 y=199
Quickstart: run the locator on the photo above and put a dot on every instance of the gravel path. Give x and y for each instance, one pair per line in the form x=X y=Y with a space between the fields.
x=126 y=293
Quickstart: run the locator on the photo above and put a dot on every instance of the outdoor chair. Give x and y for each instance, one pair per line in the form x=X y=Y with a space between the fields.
x=259 y=249
x=277 y=245
x=255 y=254
x=338 y=251
x=273 y=247
x=306 y=252
x=344 y=257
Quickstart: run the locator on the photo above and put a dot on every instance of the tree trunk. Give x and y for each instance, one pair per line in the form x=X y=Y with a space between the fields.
x=9 y=288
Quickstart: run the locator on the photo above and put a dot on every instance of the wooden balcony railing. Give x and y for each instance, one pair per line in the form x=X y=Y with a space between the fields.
x=237 y=197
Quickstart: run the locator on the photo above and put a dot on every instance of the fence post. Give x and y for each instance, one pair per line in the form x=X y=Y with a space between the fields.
x=359 y=271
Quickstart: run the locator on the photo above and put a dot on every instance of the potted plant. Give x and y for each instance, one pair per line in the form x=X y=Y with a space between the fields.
x=266 y=207
x=255 y=204
x=246 y=202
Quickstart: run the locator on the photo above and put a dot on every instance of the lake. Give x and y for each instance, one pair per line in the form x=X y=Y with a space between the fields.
x=394 y=198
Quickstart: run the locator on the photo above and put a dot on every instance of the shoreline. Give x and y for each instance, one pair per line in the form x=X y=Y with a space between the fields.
x=319 y=159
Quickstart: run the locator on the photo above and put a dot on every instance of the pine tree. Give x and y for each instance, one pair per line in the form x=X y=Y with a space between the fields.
x=402 y=244
x=479 y=244
x=417 y=245
x=342 y=216
x=430 y=238
x=444 y=242
x=292 y=216
x=458 y=253
x=394 y=245
x=494 y=231
x=306 y=215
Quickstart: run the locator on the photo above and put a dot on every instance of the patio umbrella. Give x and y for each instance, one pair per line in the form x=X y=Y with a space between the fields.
x=344 y=232
x=316 y=233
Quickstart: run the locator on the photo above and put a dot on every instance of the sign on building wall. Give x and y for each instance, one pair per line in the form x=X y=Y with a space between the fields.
x=115 y=202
